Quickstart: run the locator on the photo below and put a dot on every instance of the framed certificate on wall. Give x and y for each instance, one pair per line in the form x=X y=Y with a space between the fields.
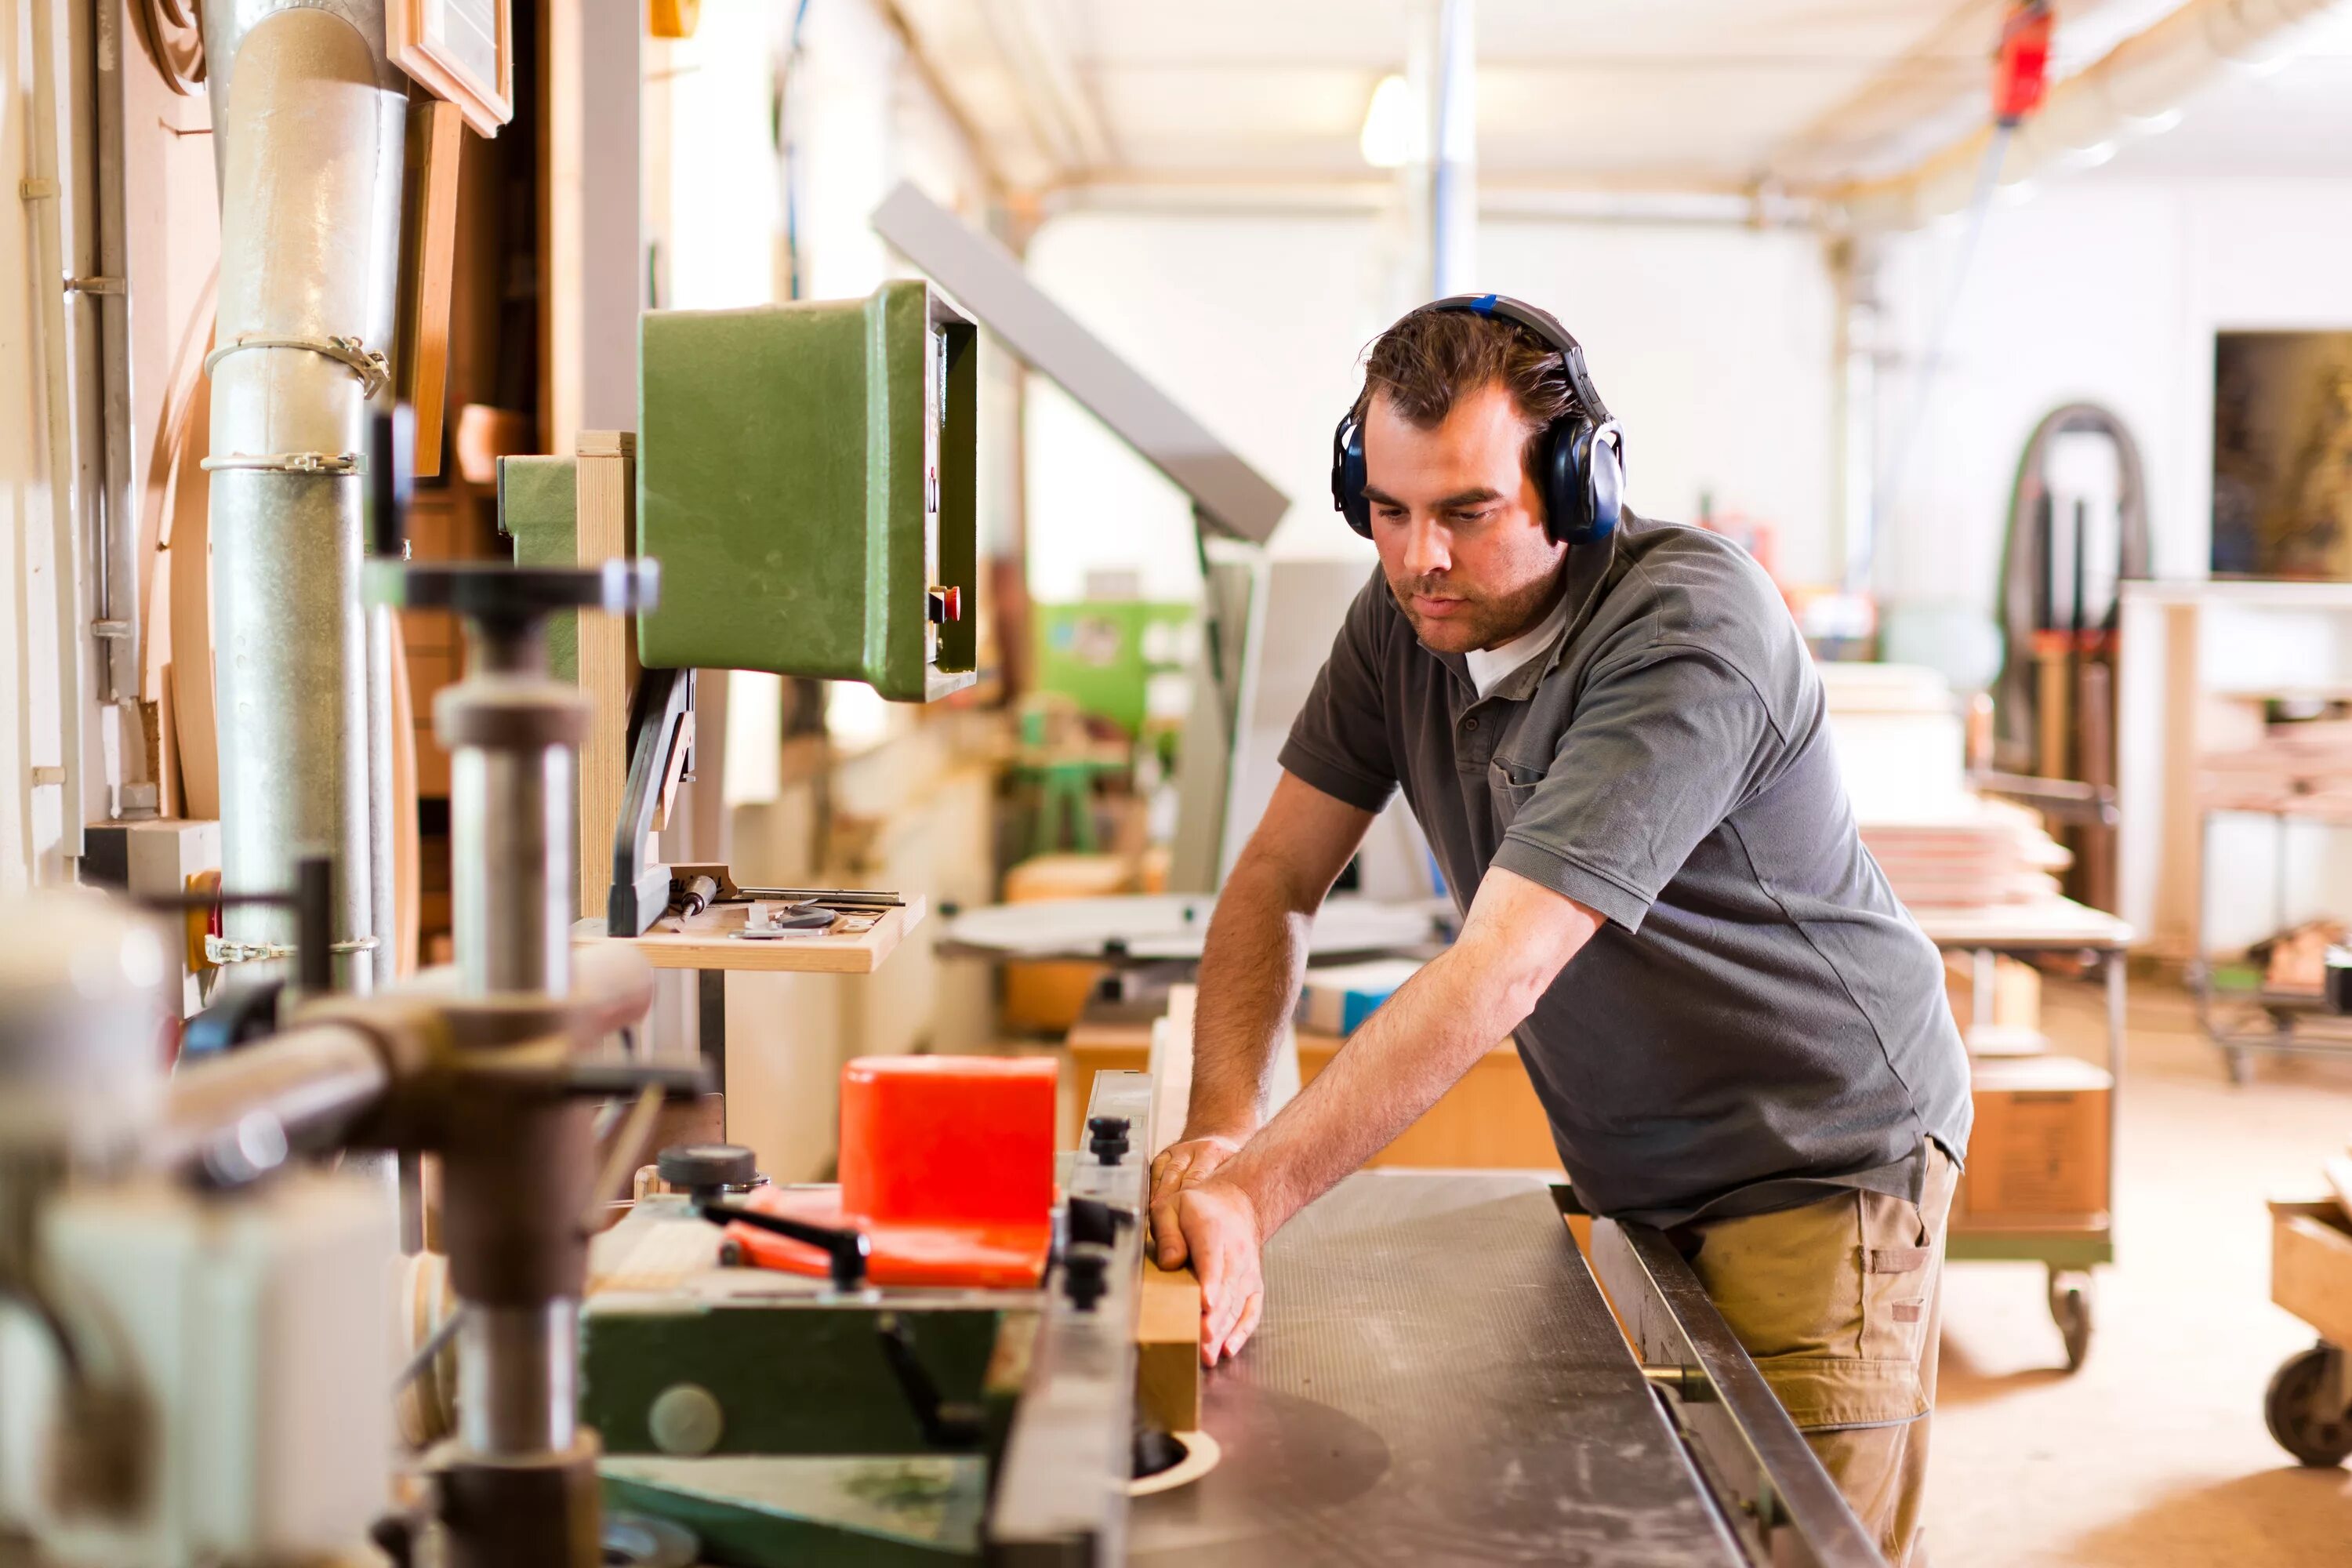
x=461 y=50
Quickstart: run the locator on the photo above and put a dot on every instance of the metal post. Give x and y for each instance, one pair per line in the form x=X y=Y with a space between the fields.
x=1453 y=151
x=711 y=1017
x=511 y=867
x=518 y=1378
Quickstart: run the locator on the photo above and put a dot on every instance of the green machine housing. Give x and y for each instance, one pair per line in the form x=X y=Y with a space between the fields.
x=806 y=478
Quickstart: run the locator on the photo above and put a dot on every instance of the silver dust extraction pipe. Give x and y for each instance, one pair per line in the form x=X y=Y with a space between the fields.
x=310 y=117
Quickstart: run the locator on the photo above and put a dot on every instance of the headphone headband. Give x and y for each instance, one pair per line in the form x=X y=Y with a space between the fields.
x=1544 y=326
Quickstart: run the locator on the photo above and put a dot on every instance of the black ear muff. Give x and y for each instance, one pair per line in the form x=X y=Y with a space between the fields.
x=1562 y=487
x=1348 y=476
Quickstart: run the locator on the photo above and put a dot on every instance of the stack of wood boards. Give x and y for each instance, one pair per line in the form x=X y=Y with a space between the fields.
x=2297 y=769
x=1985 y=852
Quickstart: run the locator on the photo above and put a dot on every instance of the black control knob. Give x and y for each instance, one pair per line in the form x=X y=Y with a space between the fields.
x=706 y=1169
x=1085 y=1275
x=1108 y=1138
x=1091 y=1219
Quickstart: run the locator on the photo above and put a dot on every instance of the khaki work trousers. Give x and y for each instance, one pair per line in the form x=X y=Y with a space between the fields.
x=1839 y=1302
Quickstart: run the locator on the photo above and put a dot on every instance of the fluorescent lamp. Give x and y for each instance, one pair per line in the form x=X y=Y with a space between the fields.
x=1391 y=134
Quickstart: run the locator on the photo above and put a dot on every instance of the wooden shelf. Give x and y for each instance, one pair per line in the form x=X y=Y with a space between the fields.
x=709 y=941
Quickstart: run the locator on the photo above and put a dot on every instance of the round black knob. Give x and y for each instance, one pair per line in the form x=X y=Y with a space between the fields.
x=1109 y=1140
x=707 y=1167
x=1085 y=1274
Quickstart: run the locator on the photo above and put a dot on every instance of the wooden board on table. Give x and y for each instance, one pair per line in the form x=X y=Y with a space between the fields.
x=708 y=941
x=1168 y=1347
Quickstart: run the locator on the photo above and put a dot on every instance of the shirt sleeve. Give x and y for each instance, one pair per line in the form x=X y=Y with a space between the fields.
x=1339 y=741
x=1662 y=746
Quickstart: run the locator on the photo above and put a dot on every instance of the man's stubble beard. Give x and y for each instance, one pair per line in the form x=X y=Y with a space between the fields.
x=1489 y=623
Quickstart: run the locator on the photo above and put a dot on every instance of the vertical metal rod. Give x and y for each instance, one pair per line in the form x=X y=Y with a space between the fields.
x=518 y=1377
x=119 y=563
x=1453 y=143
x=710 y=996
x=512 y=850
x=314 y=924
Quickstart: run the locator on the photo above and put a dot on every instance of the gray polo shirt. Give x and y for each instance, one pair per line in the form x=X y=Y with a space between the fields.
x=1757 y=1019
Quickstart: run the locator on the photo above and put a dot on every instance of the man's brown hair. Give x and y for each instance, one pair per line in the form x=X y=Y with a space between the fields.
x=1432 y=358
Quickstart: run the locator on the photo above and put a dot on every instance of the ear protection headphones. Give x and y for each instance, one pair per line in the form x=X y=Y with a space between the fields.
x=1578 y=462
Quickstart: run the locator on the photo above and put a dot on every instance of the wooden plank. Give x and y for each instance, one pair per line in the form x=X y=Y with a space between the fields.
x=604 y=495
x=1171 y=1071
x=194 y=722
x=2054 y=922
x=407 y=833
x=1489 y=1120
x=708 y=943
x=1168 y=1347
x=2180 y=878
x=428 y=269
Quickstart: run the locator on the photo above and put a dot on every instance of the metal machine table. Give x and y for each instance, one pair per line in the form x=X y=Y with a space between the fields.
x=2056 y=925
x=1438 y=1380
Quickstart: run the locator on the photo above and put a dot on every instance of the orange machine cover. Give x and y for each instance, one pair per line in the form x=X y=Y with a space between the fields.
x=947 y=1163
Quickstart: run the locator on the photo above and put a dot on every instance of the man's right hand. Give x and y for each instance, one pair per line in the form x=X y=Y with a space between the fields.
x=1179 y=1166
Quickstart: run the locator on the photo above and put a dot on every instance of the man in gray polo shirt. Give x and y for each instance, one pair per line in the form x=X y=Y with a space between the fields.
x=1616 y=742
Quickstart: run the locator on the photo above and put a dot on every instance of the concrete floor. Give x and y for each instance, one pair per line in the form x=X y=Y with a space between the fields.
x=2155 y=1453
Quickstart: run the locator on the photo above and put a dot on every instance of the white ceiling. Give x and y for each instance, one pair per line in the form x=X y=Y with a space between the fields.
x=1654 y=94
x=2295 y=120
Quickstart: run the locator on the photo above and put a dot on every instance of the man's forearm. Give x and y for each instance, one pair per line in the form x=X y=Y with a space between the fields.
x=1250 y=972
x=1395 y=1066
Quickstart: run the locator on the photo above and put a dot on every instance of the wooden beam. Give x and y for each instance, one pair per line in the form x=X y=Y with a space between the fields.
x=604 y=492
x=428 y=269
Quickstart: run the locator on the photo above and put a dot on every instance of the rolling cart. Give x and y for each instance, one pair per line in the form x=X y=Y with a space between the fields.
x=2071 y=1250
x=2248 y=1016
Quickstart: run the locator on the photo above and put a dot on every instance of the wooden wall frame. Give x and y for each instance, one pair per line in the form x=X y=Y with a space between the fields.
x=418 y=34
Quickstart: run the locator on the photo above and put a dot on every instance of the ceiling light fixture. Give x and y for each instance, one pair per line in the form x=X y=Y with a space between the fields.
x=1391 y=135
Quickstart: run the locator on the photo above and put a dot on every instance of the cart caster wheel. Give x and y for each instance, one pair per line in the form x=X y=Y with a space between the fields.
x=2069 y=1308
x=2241 y=1066
x=2300 y=1409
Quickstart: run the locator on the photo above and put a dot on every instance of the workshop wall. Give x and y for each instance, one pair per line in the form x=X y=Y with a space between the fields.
x=1255 y=325
x=2104 y=287
x=2107 y=288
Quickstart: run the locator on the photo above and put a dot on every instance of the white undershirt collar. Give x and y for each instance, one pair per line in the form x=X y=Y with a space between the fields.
x=1490 y=666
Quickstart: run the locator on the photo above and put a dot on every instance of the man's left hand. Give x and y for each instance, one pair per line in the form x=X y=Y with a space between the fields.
x=1221 y=1232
